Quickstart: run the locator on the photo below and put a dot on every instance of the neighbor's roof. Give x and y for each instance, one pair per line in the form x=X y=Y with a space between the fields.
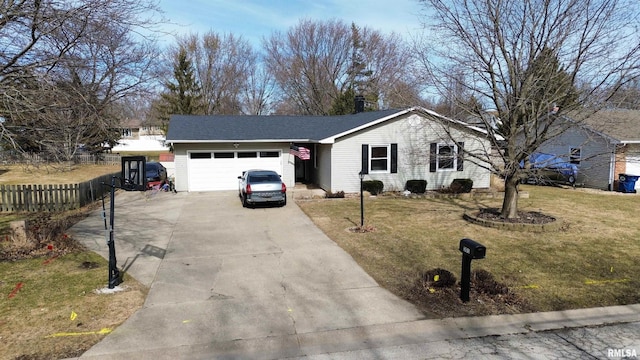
x=622 y=125
x=283 y=128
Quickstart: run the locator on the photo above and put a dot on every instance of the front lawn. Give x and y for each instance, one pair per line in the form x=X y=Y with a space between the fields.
x=591 y=261
x=50 y=308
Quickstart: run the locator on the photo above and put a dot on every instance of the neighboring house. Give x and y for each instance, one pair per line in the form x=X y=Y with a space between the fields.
x=604 y=146
x=138 y=137
x=392 y=146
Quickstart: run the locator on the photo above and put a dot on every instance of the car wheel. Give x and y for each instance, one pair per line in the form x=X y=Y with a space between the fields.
x=244 y=201
x=572 y=180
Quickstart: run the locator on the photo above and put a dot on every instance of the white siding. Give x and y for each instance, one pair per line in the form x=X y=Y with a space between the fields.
x=413 y=134
x=181 y=159
x=323 y=175
x=595 y=168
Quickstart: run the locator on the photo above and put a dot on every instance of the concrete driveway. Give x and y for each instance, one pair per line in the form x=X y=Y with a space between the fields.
x=226 y=281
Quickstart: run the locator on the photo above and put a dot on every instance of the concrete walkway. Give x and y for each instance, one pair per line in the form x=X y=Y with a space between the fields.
x=228 y=282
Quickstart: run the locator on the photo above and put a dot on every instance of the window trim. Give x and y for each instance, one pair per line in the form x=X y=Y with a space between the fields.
x=575 y=159
x=454 y=156
x=388 y=159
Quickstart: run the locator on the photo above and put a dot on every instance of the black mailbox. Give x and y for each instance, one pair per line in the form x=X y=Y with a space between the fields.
x=472 y=249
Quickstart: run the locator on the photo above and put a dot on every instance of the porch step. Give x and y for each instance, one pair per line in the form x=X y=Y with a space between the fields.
x=303 y=191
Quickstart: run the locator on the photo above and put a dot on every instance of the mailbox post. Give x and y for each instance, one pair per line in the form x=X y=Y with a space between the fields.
x=470 y=250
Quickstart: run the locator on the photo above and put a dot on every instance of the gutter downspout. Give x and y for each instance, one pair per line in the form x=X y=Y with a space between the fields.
x=612 y=169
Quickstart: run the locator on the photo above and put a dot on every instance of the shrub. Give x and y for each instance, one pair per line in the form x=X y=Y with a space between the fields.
x=461 y=186
x=374 y=187
x=416 y=186
x=335 y=195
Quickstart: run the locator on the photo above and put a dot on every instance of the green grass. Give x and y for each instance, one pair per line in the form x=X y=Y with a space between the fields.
x=591 y=261
x=36 y=319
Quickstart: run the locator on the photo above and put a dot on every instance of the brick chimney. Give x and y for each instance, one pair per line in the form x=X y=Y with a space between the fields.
x=359 y=101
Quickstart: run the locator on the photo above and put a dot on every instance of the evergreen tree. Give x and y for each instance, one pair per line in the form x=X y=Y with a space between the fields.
x=183 y=95
x=359 y=80
x=344 y=104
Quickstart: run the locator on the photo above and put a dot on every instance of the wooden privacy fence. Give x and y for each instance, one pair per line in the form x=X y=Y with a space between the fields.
x=52 y=198
x=107 y=159
x=100 y=159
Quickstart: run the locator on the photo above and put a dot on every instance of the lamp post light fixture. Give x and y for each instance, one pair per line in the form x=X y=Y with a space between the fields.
x=361 y=201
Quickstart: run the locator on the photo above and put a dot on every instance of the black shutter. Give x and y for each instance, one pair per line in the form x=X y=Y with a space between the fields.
x=460 y=156
x=394 y=158
x=365 y=159
x=432 y=157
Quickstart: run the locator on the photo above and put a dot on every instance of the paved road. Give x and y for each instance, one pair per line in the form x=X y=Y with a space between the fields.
x=228 y=282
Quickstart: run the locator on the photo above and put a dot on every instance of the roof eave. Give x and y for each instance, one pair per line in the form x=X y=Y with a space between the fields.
x=477 y=129
x=220 y=141
x=332 y=139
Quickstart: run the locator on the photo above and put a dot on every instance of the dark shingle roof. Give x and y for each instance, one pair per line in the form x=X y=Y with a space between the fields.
x=273 y=127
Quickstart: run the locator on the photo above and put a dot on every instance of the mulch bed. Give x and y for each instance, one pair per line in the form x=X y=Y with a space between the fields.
x=524 y=217
x=437 y=292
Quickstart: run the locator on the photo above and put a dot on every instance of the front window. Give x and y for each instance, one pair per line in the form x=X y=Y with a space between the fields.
x=379 y=158
x=446 y=157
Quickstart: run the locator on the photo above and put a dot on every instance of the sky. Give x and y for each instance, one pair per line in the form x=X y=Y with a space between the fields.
x=255 y=19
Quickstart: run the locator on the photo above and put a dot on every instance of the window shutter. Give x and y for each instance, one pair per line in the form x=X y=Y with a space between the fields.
x=460 y=156
x=365 y=159
x=432 y=157
x=394 y=158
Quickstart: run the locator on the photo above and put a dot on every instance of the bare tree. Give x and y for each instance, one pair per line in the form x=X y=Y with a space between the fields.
x=258 y=94
x=64 y=65
x=533 y=61
x=315 y=63
x=222 y=66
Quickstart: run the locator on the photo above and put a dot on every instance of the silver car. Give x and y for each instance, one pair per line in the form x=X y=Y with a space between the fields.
x=260 y=187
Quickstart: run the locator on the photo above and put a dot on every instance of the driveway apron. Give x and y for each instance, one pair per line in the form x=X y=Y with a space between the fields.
x=226 y=281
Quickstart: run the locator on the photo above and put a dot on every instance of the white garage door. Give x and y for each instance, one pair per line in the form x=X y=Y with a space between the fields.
x=633 y=168
x=219 y=170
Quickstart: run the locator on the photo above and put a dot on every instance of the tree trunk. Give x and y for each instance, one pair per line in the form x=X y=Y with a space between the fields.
x=510 y=202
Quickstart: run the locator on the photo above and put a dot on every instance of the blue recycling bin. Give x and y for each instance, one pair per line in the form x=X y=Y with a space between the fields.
x=627 y=183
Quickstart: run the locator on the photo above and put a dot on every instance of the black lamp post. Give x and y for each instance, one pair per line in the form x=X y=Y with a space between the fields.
x=361 y=201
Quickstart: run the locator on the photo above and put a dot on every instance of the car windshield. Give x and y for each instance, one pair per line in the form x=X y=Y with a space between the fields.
x=263 y=178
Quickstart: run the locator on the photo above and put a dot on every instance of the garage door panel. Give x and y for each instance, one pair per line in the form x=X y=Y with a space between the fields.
x=220 y=172
x=633 y=168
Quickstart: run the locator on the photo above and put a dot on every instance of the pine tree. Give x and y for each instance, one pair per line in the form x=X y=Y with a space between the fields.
x=183 y=95
x=359 y=80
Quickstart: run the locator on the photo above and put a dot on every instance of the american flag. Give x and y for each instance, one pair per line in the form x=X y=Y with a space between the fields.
x=301 y=152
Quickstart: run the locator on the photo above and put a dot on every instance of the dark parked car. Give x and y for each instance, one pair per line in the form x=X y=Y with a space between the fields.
x=260 y=187
x=547 y=168
x=155 y=172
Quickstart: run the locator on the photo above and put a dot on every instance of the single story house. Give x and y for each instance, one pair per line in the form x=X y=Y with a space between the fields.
x=390 y=145
x=139 y=137
x=603 y=146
